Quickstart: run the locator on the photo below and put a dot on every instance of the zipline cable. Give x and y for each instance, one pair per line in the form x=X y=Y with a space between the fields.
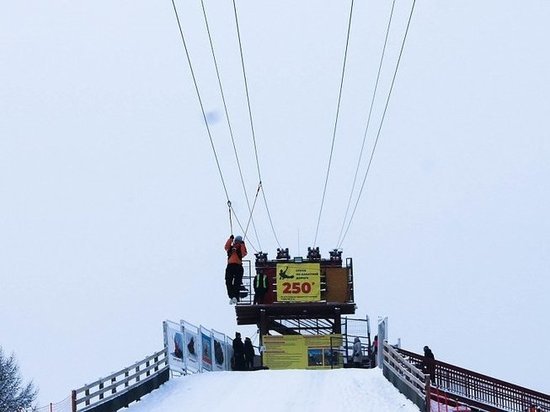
x=270 y=220
x=381 y=120
x=246 y=90
x=335 y=122
x=228 y=120
x=368 y=123
x=243 y=230
x=251 y=119
x=204 y=117
x=200 y=99
x=253 y=206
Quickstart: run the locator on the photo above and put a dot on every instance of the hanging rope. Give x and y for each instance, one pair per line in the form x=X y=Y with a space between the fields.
x=335 y=122
x=381 y=120
x=368 y=124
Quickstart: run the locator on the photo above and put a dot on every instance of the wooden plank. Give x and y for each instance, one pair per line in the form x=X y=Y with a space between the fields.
x=337 y=289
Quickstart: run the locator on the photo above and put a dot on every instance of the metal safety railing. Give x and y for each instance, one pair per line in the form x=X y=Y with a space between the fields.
x=479 y=391
x=406 y=376
x=123 y=387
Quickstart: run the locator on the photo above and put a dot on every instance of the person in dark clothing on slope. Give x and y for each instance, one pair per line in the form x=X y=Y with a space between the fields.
x=428 y=365
x=236 y=250
x=238 y=353
x=248 y=354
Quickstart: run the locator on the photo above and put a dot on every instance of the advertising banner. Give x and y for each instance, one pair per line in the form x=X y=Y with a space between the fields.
x=220 y=354
x=173 y=341
x=323 y=351
x=206 y=349
x=302 y=352
x=298 y=282
x=228 y=344
x=285 y=352
x=191 y=346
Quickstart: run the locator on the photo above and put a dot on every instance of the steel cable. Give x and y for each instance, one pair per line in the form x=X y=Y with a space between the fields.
x=251 y=118
x=368 y=123
x=335 y=123
x=200 y=99
x=381 y=120
x=228 y=120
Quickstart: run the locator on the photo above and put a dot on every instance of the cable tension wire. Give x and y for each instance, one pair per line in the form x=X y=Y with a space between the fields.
x=335 y=122
x=381 y=120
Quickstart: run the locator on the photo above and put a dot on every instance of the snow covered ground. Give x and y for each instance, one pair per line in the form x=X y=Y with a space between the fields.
x=273 y=390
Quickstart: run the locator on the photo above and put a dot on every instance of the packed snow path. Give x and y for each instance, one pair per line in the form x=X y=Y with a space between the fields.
x=273 y=391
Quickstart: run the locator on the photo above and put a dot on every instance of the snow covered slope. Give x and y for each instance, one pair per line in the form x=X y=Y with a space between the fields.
x=273 y=391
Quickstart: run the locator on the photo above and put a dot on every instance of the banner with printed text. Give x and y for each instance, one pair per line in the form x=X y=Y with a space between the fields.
x=302 y=352
x=298 y=282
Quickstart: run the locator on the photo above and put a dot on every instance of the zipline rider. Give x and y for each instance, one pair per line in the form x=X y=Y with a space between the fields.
x=236 y=251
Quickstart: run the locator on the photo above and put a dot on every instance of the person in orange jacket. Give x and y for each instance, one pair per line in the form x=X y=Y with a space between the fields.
x=236 y=251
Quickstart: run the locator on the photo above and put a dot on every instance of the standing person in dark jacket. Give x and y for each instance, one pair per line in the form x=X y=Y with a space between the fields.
x=248 y=354
x=260 y=286
x=236 y=250
x=238 y=353
x=428 y=365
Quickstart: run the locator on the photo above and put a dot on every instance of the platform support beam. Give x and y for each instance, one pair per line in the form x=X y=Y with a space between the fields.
x=337 y=326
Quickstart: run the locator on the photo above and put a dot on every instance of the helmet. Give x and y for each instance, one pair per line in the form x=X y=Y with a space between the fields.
x=239 y=239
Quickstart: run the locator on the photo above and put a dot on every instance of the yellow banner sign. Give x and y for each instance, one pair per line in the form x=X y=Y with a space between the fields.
x=285 y=352
x=298 y=282
x=302 y=352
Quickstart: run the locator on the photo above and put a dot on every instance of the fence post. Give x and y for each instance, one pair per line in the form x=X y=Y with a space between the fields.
x=73 y=401
x=428 y=390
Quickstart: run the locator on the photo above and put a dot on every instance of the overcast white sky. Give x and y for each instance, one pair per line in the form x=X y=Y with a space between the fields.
x=113 y=217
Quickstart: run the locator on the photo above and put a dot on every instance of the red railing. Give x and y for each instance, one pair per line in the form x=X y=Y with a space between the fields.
x=480 y=391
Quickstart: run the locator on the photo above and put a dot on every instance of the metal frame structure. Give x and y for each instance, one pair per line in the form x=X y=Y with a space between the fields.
x=311 y=318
